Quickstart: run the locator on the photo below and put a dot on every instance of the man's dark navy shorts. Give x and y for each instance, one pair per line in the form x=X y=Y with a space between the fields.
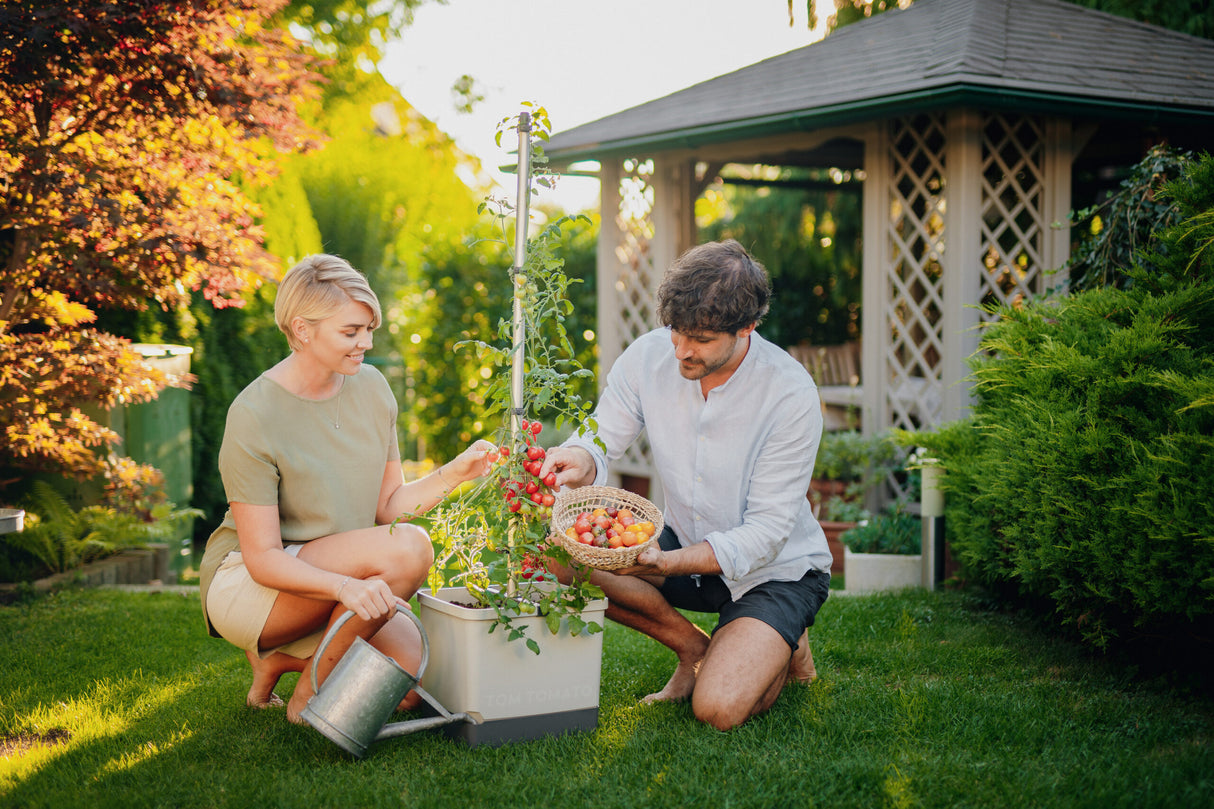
x=786 y=606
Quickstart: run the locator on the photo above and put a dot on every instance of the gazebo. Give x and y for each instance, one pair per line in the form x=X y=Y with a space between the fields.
x=973 y=128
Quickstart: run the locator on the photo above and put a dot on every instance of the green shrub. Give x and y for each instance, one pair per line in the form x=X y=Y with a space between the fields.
x=886 y=533
x=1085 y=476
x=855 y=458
x=843 y=509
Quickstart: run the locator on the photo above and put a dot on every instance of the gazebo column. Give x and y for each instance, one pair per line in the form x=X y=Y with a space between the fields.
x=608 y=265
x=875 y=318
x=1061 y=146
x=962 y=258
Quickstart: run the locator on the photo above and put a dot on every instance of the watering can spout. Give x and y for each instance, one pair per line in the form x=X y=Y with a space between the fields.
x=364 y=689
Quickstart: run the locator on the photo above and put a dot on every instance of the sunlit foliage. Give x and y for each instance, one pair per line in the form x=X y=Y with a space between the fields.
x=123 y=125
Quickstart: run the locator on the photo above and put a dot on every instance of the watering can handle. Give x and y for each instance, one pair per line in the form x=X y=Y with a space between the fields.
x=347 y=615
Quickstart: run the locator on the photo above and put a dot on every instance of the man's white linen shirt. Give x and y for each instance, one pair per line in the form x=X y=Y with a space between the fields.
x=735 y=466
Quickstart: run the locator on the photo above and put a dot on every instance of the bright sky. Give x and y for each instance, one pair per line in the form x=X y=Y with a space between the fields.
x=580 y=59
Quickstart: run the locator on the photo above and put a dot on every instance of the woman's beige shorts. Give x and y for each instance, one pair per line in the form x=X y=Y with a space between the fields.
x=239 y=607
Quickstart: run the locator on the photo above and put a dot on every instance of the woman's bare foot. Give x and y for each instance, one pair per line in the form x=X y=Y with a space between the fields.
x=680 y=685
x=299 y=701
x=266 y=674
x=801 y=668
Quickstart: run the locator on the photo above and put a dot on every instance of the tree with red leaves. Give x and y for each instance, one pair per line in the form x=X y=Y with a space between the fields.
x=125 y=126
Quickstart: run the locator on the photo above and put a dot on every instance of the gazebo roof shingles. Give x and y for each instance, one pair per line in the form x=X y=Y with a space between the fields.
x=1028 y=55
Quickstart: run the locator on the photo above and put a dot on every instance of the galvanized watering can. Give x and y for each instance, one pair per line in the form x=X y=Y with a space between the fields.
x=363 y=690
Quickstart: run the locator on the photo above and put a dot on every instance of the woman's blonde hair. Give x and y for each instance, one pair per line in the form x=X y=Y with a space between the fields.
x=317 y=287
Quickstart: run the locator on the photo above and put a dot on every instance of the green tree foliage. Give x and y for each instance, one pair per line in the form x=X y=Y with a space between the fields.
x=1191 y=17
x=1085 y=478
x=386 y=185
x=846 y=11
x=349 y=34
x=123 y=124
x=463 y=293
x=809 y=241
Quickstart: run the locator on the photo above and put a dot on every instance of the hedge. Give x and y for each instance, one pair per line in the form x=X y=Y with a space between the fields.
x=1084 y=477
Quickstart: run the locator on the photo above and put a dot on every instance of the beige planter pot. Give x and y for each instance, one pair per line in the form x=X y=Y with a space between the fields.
x=873 y=572
x=516 y=693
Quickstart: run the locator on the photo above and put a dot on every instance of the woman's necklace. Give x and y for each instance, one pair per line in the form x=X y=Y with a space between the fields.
x=337 y=420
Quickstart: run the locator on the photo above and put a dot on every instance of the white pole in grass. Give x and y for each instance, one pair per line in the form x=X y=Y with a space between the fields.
x=931 y=515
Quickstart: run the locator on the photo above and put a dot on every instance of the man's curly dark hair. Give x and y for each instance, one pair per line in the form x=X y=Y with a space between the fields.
x=714 y=287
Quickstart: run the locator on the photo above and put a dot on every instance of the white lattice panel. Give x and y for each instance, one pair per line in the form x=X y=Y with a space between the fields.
x=1013 y=209
x=915 y=232
x=636 y=278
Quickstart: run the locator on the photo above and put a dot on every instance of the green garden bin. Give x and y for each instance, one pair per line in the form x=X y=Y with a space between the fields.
x=158 y=433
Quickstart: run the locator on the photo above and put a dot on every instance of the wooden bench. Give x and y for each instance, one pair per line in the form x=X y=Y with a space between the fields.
x=830 y=366
x=836 y=370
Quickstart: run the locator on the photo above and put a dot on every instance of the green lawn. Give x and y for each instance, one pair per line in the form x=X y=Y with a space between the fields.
x=926 y=699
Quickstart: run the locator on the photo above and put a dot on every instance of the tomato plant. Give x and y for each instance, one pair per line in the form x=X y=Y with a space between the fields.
x=493 y=537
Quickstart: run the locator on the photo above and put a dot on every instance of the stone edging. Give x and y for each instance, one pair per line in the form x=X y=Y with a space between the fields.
x=135 y=566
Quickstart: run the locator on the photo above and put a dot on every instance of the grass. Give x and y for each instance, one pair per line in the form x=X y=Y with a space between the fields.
x=111 y=698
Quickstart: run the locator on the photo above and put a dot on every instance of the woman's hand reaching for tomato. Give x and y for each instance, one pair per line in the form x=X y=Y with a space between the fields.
x=474 y=462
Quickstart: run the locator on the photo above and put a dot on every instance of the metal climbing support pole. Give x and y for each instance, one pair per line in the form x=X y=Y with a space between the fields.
x=517 y=282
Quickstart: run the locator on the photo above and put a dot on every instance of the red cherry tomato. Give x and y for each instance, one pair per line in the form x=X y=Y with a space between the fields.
x=550 y=479
x=536 y=428
x=549 y=500
x=515 y=505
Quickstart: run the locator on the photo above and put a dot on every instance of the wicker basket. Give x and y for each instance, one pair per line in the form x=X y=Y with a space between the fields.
x=572 y=502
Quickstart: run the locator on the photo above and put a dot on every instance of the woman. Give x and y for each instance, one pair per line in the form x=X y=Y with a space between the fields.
x=318 y=503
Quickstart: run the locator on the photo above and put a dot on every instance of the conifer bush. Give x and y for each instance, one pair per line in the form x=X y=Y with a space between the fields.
x=1085 y=476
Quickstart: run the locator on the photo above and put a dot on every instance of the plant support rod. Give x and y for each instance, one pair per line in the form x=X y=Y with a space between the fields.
x=522 y=217
x=518 y=282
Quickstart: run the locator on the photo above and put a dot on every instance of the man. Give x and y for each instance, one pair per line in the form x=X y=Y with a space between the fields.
x=733 y=422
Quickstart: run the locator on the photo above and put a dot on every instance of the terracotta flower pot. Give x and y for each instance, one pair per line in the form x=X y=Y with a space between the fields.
x=834 y=530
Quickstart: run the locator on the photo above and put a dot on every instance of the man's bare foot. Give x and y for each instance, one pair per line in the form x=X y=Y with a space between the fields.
x=266 y=674
x=801 y=668
x=679 y=687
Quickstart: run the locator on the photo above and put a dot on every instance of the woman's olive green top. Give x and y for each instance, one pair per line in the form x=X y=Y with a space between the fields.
x=321 y=462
